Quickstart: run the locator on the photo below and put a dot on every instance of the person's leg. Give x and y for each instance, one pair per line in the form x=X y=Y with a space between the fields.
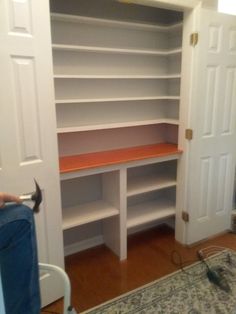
x=18 y=260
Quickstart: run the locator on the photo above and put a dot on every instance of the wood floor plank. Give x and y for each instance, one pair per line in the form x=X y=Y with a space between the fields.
x=97 y=275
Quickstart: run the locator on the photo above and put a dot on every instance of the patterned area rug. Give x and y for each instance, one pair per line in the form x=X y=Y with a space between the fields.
x=187 y=291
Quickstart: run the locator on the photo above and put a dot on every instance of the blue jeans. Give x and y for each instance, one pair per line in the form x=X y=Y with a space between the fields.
x=18 y=260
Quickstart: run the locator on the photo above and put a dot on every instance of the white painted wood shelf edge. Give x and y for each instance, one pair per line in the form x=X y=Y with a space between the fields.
x=116 y=23
x=164 y=76
x=86 y=213
x=86 y=100
x=115 y=125
x=166 y=52
x=143 y=184
x=149 y=211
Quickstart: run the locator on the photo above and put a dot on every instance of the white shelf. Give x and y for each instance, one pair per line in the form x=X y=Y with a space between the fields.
x=114 y=23
x=149 y=211
x=164 y=76
x=72 y=101
x=144 y=184
x=123 y=78
x=167 y=52
x=115 y=125
x=89 y=212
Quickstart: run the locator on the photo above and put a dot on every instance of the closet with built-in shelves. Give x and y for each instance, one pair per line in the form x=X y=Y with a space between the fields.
x=117 y=75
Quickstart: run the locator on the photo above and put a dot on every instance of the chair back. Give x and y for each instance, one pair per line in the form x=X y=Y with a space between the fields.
x=2 y=307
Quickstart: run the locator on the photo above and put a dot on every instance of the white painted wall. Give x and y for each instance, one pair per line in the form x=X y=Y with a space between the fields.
x=210 y=4
x=227 y=6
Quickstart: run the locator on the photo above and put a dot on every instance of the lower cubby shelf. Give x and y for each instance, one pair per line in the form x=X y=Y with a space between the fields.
x=91 y=208
x=152 y=177
x=149 y=211
x=149 y=183
x=86 y=213
x=109 y=202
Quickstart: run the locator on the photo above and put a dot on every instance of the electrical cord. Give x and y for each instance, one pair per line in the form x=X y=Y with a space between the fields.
x=177 y=260
x=214 y=274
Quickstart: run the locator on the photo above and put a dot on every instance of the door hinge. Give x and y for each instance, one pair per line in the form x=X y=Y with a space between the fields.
x=189 y=134
x=185 y=216
x=193 y=39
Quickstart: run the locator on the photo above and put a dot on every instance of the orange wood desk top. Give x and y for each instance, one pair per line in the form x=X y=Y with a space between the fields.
x=116 y=156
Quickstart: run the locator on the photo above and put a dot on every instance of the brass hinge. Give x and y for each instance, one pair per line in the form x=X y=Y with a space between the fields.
x=189 y=134
x=193 y=39
x=185 y=216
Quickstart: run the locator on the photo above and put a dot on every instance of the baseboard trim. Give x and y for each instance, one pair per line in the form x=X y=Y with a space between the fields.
x=98 y=240
x=83 y=245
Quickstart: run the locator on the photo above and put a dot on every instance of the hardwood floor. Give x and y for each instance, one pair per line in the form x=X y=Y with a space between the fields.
x=97 y=275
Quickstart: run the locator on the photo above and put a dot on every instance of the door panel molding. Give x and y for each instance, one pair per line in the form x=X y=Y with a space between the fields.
x=205 y=188
x=27 y=110
x=211 y=101
x=20 y=16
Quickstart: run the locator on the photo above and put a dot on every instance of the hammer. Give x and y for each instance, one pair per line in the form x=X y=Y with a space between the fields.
x=36 y=197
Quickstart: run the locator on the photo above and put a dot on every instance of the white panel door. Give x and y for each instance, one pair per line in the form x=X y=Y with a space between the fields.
x=213 y=120
x=28 y=146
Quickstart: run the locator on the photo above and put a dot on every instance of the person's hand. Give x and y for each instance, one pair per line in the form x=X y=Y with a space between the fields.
x=5 y=197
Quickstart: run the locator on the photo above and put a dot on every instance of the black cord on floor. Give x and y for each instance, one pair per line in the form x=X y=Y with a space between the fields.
x=177 y=260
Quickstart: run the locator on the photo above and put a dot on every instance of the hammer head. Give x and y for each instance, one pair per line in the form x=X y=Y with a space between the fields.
x=36 y=197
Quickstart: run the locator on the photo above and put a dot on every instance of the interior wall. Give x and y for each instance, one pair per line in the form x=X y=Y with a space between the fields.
x=86 y=142
x=115 y=10
x=210 y=4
